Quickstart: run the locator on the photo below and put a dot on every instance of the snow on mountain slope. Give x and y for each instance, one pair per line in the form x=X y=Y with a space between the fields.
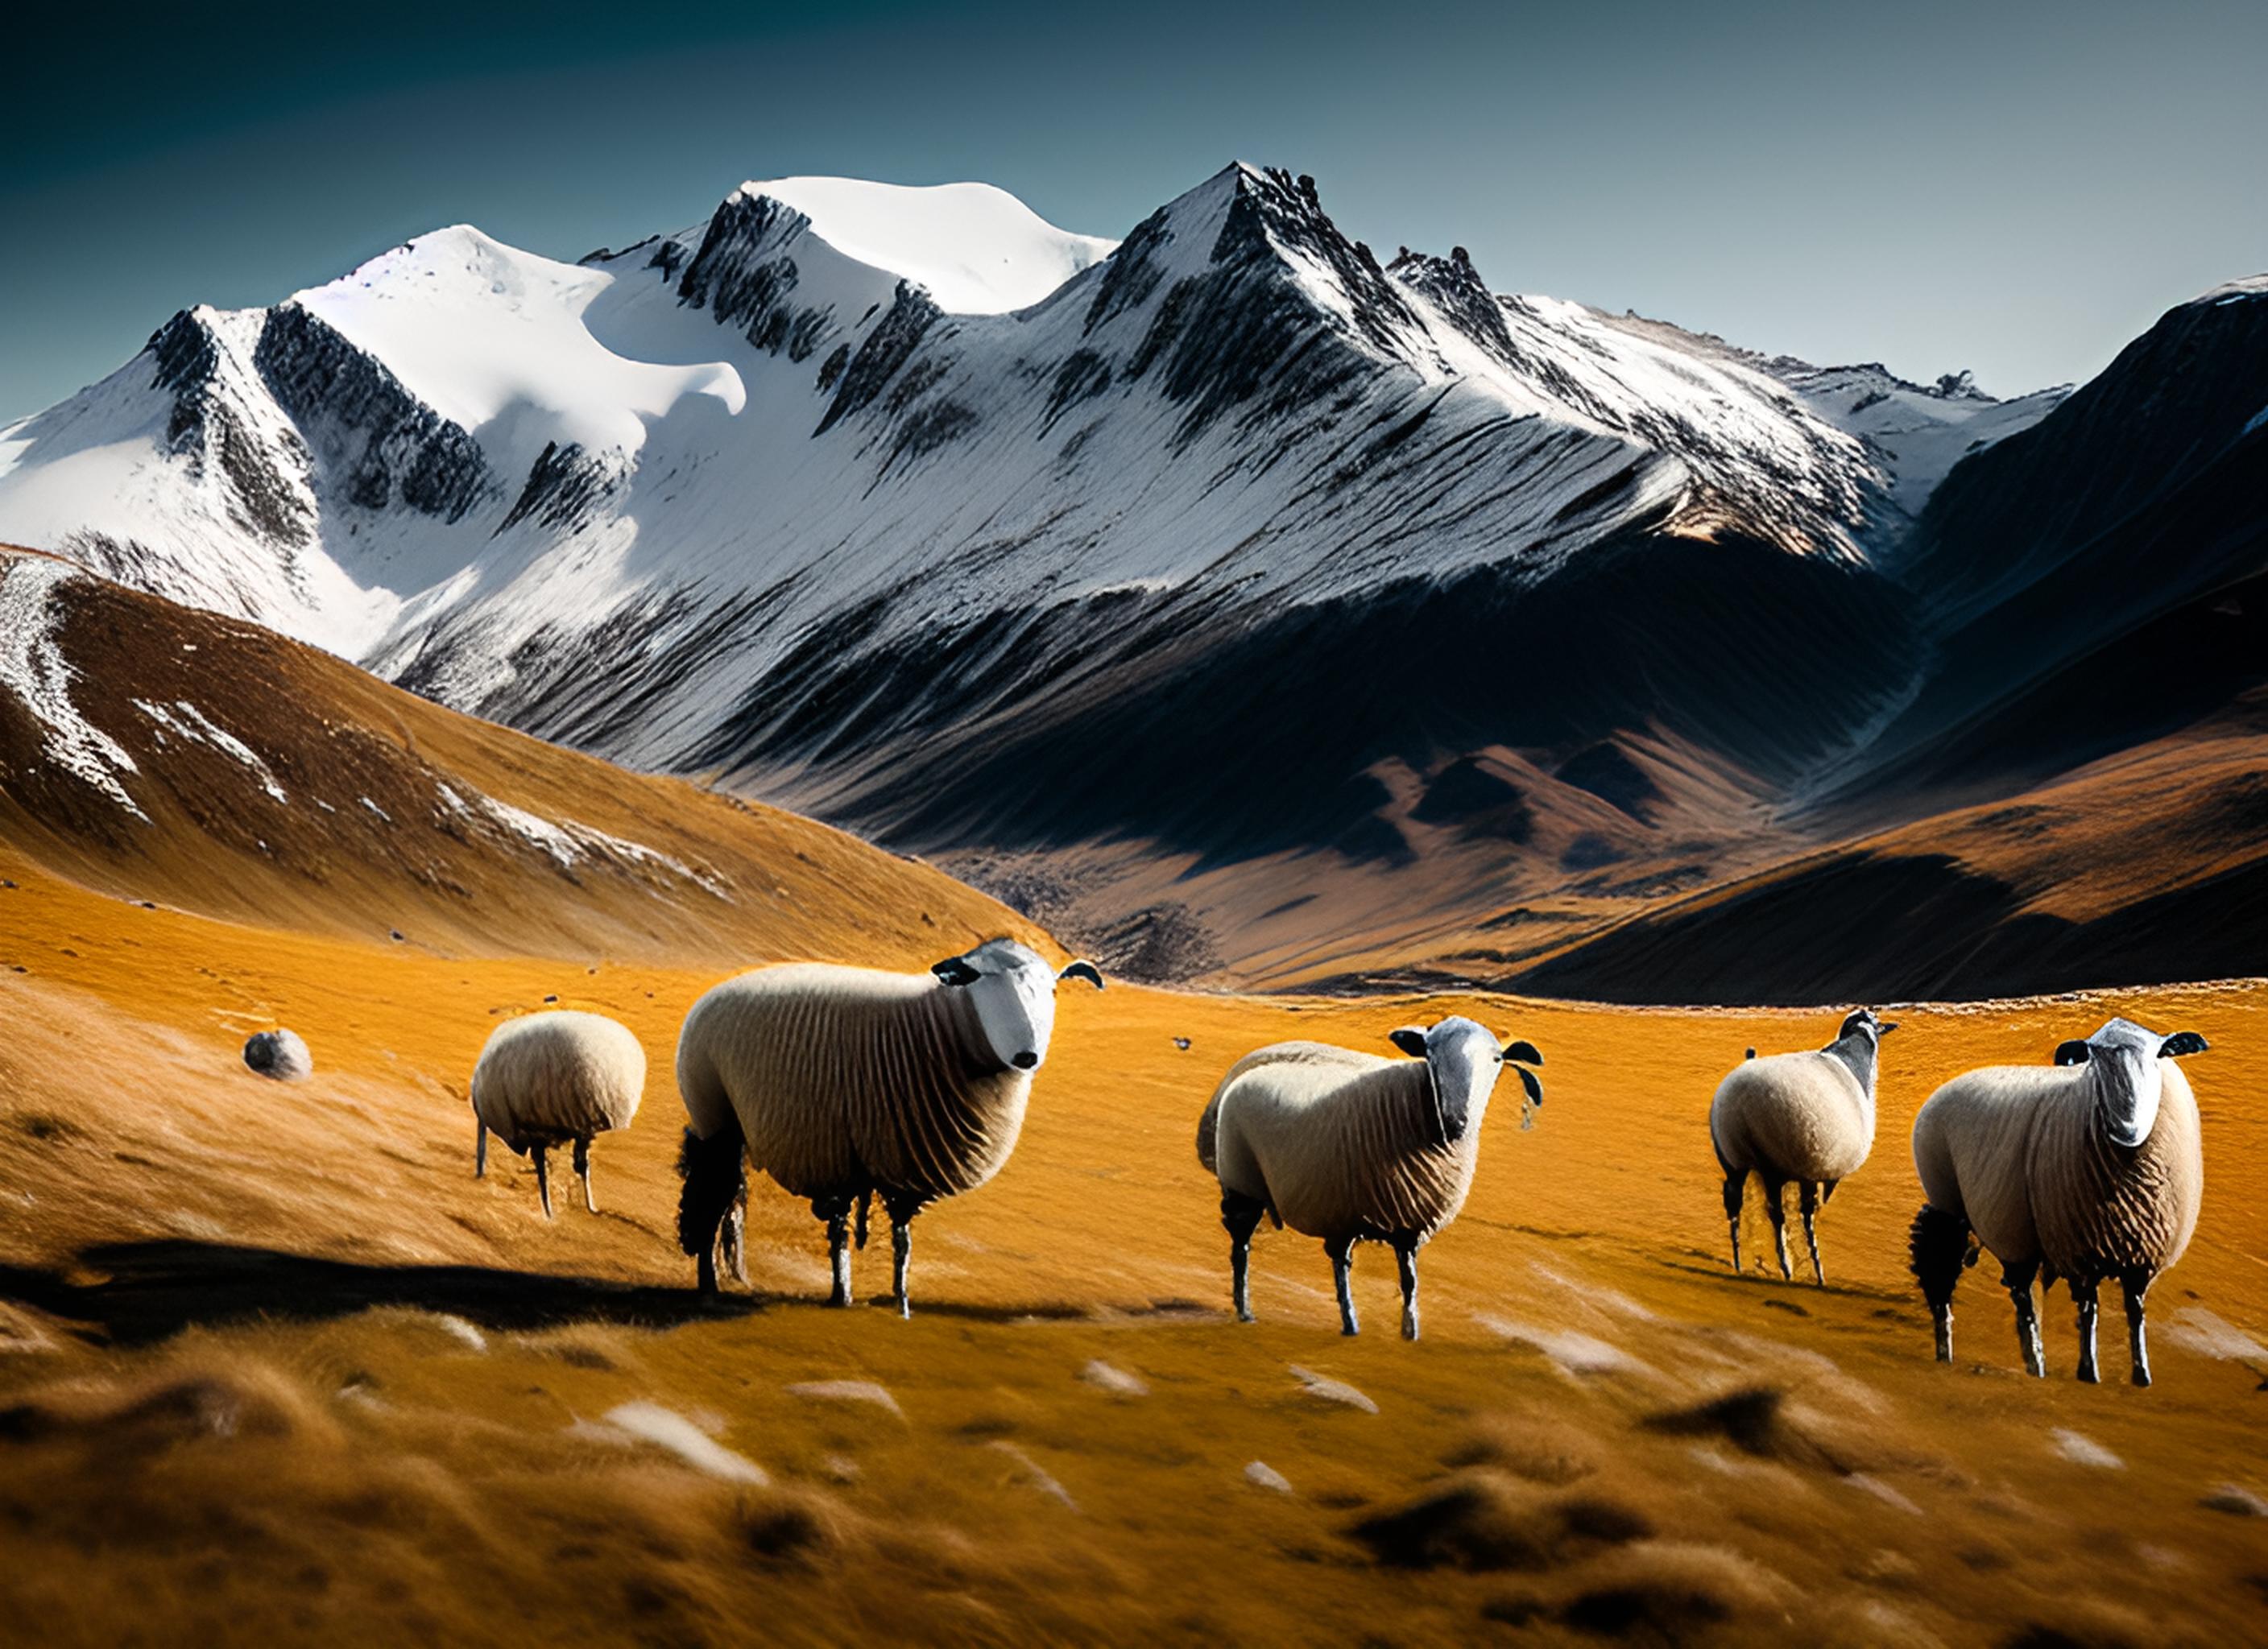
x=1916 y=433
x=977 y=249
x=494 y=340
x=1923 y=431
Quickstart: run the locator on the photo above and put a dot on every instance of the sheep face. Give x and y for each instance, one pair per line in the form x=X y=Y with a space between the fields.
x=1013 y=991
x=2124 y=1057
x=1464 y=1059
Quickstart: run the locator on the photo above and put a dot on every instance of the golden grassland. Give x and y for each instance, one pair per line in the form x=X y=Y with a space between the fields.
x=274 y=1365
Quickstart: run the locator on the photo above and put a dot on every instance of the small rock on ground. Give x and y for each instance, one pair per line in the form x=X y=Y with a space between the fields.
x=847 y=1391
x=1332 y=1390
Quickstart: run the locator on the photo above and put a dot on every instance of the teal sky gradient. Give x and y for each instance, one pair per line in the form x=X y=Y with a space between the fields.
x=2016 y=188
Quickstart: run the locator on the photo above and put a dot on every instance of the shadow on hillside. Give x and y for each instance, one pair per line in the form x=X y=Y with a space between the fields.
x=150 y=1292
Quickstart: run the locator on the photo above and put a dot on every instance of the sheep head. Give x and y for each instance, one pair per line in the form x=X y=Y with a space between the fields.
x=1461 y=1060
x=2123 y=1057
x=1013 y=991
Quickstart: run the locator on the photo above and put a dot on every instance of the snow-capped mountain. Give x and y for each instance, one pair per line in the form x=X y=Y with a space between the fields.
x=910 y=508
x=420 y=437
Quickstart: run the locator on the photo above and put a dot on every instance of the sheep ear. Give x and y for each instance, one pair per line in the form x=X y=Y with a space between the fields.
x=1534 y=1088
x=2073 y=1053
x=1083 y=969
x=955 y=970
x=1409 y=1040
x=2181 y=1042
x=1523 y=1052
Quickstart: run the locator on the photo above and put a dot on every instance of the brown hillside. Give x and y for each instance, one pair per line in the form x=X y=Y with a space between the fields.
x=267 y=781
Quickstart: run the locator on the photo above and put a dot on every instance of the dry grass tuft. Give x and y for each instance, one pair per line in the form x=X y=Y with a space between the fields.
x=157 y=1413
x=1670 y=1592
x=791 y=1526
x=1759 y=1421
x=1483 y=1520
x=1539 y=1450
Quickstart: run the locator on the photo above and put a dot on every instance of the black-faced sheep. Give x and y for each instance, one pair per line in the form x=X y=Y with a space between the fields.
x=550 y=1078
x=1806 y=1116
x=1351 y=1148
x=280 y=1054
x=2088 y=1169
x=845 y=1084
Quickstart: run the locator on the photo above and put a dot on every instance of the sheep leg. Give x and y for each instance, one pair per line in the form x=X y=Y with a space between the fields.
x=836 y=1213
x=480 y=1149
x=1807 y=1199
x=2135 y=1286
x=902 y=1251
x=541 y=1153
x=1777 y=1213
x=1240 y=1216
x=1405 y=1263
x=731 y=1238
x=2084 y=1293
x=1342 y=1252
x=714 y=1196
x=2017 y=1279
x=1939 y=1243
x=583 y=1167
x=1735 y=1185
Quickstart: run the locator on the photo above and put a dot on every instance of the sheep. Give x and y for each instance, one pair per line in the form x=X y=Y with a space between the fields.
x=1805 y=1117
x=845 y=1084
x=279 y=1055
x=2087 y=1169
x=549 y=1078
x=1352 y=1147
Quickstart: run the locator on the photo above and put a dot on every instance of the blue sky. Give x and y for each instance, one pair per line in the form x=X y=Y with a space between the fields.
x=2016 y=188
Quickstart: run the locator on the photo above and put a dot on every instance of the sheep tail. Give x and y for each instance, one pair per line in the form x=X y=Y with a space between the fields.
x=1940 y=1247
x=859 y=1236
x=1208 y=1137
x=716 y=1182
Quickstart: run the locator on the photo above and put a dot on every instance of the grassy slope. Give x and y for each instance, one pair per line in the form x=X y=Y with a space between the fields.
x=320 y=1453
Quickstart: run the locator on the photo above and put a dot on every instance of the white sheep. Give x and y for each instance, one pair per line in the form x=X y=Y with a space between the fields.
x=1806 y=1116
x=2088 y=1169
x=845 y=1084
x=1351 y=1148
x=546 y=1079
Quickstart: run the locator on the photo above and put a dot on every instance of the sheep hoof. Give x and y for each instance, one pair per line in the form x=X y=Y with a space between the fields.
x=1244 y=1315
x=905 y=1308
x=2141 y=1376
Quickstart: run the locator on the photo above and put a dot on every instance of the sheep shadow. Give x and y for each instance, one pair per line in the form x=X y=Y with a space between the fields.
x=1800 y=1286
x=152 y=1290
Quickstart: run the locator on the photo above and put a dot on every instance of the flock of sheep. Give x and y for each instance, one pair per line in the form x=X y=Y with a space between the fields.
x=846 y=1085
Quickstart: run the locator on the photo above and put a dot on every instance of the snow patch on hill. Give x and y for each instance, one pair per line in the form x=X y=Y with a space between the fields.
x=978 y=249
x=34 y=670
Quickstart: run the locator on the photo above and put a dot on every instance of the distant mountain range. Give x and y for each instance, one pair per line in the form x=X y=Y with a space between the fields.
x=1244 y=603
